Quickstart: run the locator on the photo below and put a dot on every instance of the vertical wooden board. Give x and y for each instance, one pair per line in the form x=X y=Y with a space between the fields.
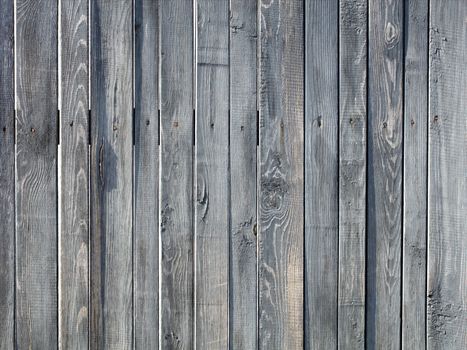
x=281 y=190
x=36 y=174
x=111 y=175
x=212 y=175
x=352 y=172
x=177 y=175
x=146 y=175
x=74 y=176
x=243 y=128
x=415 y=175
x=7 y=177
x=384 y=174
x=447 y=235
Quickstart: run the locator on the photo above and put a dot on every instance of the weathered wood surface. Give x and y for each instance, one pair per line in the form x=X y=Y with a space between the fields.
x=384 y=181
x=7 y=177
x=111 y=175
x=212 y=174
x=36 y=174
x=73 y=238
x=447 y=208
x=415 y=175
x=176 y=223
x=352 y=172
x=146 y=175
x=281 y=188
x=243 y=270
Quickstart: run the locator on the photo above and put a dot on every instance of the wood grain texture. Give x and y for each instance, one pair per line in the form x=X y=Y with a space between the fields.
x=74 y=176
x=146 y=175
x=177 y=306
x=36 y=174
x=111 y=175
x=243 y=271
x=384 y=225
x=7 y=177
x=415 y=175
x=281 y=207
x=212 y=175
x=352 y=173
x=447 y=235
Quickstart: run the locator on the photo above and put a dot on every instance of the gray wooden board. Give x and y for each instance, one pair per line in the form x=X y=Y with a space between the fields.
x=7 y=177
x=212 y=175
x=146 y=175
x=243 y=272
x=74 y=177
x=176 y=321
x=281 y=190
x=352 y=173
x=415 y=175
x=447 y=235
x=111 y=175
x=384 y=181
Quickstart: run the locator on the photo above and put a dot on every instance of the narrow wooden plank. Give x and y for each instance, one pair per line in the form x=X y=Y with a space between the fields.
x=243 y=271
x=74 y=177
x=212 y=175
x=415 y=175
x=447 y=235
x=7 y=177
x=111 y=175
x=281 y=190
x=352 y=172
x=177 y=174
x=146 y=180
x=384 y=186
x=36 y=174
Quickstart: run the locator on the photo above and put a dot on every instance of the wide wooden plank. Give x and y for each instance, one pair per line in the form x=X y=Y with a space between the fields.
x=36 y=174
x=281 y=198
x=447 y=234
x=73 y=277
x=177 y=278
x=384 y=186
x=352 y=172
x=415 y=175
x=111 y=175
x=212 y=175
x=146 y=175
x=7 y=177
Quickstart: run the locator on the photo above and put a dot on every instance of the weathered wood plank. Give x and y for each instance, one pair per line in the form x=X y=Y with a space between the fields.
x=352 y=173
x=415 y=175
x=36 y=174
x=74 y=176
x=146 y=180
x=384 y=186
x=447 y=235
x=177 y=175
x=212 y=175
x=243 y=128
x=7 y=177
x=111 y=175
x=281 y=207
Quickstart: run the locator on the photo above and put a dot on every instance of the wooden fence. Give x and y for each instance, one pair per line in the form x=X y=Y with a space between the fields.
x=216 y=174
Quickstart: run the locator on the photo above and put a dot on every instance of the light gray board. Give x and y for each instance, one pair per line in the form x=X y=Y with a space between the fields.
x=111 y=175
x=7 y=177
x=352 y=172
x=212 y=175
x=384 y=179
x=415 y=175
x=281 y=190
x=146 y=175
x=176 y=226
x=447 y=208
